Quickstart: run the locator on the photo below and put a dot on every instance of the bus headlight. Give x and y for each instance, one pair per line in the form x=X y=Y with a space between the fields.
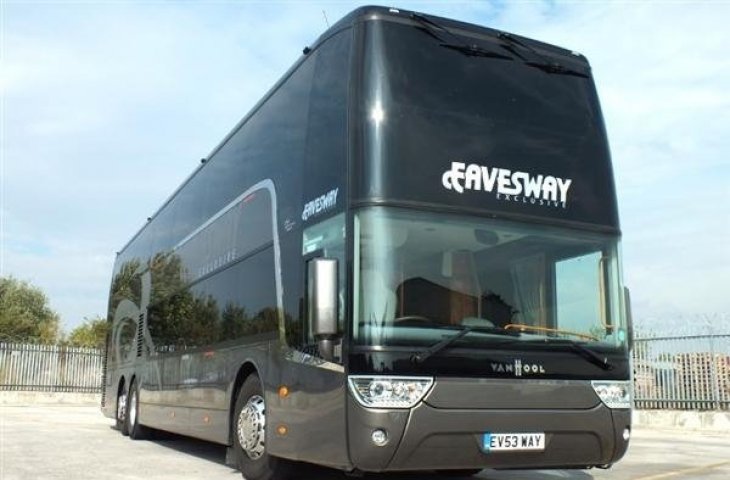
x=389 y=392
x=613 y=394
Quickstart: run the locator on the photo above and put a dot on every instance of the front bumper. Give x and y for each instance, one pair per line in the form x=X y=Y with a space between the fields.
x=430 y=438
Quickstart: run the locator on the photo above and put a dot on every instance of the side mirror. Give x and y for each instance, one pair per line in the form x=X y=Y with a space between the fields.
x=322 y=303
x=629 y=318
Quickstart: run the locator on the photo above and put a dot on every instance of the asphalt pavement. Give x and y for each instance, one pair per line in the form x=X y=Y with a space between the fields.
x=69 y=442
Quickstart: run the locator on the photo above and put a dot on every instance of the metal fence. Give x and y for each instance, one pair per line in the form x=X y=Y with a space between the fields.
x=689 y=372
x=49 y=368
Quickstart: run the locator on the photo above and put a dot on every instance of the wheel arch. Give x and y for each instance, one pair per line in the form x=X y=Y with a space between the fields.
x=246 y=369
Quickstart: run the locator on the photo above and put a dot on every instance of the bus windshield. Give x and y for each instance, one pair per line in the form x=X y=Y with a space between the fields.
x=423 y=273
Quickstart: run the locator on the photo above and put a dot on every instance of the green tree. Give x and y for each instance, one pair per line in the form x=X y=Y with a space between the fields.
x=91 y=333
x=233 y=322
x=25 y=315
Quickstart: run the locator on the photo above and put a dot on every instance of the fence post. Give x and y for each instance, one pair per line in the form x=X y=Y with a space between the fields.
x=713 y=376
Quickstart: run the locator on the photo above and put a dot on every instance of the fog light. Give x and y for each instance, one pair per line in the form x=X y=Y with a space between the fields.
x=627 y=434
x=380 y=437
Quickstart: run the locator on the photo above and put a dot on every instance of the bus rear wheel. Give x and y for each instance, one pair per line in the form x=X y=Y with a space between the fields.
x=135 y=429
x=249 y=435
x=121 y=415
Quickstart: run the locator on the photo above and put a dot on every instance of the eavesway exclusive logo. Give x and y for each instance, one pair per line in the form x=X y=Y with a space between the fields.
x=321 y=204
x=508 y=185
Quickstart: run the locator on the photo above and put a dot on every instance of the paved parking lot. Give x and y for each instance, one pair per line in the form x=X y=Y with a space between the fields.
x=62 y=442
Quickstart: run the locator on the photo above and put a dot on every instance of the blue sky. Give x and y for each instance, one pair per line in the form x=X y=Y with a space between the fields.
x=108 y=106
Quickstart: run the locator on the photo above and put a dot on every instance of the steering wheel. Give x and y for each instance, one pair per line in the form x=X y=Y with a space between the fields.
x=413 y=321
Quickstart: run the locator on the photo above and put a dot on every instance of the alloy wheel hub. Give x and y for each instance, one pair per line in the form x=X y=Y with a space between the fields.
x=251 y=427
x=121 y=407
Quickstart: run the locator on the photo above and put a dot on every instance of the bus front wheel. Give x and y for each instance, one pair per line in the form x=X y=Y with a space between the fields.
x=249 y=435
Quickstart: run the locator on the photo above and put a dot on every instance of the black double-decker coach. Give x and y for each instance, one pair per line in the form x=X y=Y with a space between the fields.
x=405 y=257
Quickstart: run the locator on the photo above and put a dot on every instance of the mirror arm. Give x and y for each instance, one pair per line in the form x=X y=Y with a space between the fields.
x=326 y=347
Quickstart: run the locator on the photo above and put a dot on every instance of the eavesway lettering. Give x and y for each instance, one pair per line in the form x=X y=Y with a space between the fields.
x=320 y=204
x=507 y=184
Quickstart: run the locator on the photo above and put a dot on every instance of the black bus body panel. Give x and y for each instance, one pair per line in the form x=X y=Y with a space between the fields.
x=445 y=430
x=476 y=111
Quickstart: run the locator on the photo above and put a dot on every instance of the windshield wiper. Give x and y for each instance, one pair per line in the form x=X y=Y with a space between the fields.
x=579 y=349
x=545 y=64
x=429 y=24
x=553 y=67
x=439 y=346
x=473 y=50
x=420 y=357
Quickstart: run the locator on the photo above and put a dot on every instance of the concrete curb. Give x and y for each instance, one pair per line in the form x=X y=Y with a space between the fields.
x=715 y=422
x=49 y=398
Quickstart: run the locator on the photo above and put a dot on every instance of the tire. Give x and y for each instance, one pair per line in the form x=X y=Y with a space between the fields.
x=466 y=472
x=248 y=429
x=121 y=415
x=134 y=428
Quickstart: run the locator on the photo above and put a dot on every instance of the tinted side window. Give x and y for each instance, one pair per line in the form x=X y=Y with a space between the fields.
x=245 y=298
x=237 y=302
x=219 y=282
x=326 y=152
x=187 y=206
x=162 y=231
x=275 y=133
x=271 y=142
x=231 y=234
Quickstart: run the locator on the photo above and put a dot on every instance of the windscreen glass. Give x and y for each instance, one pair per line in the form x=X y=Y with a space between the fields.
x=421 y=275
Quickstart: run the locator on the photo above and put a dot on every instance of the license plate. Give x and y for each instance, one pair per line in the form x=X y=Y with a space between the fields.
x=513 y=442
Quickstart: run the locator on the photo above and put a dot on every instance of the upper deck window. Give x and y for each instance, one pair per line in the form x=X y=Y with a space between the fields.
x=425 y=106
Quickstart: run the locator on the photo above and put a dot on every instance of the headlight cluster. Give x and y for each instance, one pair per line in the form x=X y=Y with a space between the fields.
x=613 y=394
x=389 y=392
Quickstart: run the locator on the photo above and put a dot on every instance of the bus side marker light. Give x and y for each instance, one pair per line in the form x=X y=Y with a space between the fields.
x=283 y=391
x=282 y=430
x=627 y=434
